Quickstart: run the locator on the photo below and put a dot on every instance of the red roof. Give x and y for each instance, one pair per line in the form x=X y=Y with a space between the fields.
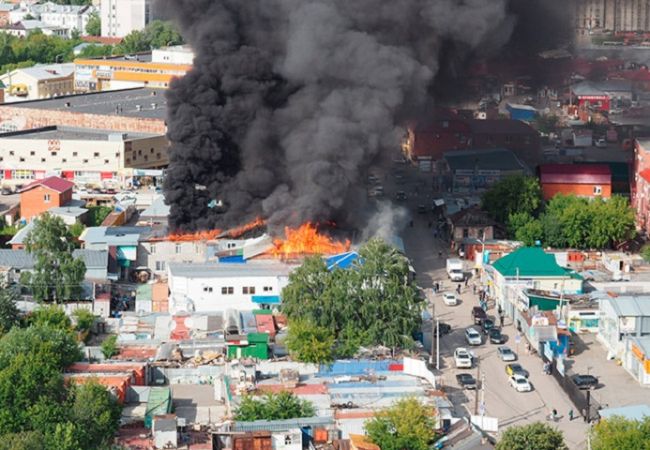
x=575 y=174
x=102 y=39
x=55 y=183
x=645 y=174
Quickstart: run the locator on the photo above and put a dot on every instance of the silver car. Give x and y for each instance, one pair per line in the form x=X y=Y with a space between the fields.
x=473 y=337
x=506 y=354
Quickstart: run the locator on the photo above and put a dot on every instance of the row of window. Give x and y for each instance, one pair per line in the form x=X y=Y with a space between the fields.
x=63 y=160
x=54 y=153
x=230 y=290
x=25 y=174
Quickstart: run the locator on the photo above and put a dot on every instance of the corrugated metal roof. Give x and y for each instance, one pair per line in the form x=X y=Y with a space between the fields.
x=575 y=174
x=113 y=236
x=529 y=262
x=632 y=412
x=20 y=259
x=92 y=258
x=158 y=208
x=73 y=211
x=281 y=425
x=631 y=305
x=57 y=184
x=217 y=270
x=19 y=237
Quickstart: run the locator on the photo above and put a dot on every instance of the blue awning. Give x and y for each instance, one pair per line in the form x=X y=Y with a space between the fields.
x=266 y=299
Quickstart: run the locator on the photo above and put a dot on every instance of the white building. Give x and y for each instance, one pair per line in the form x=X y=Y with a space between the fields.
x=224 y=286
x=85 y=156
x=38 y=82
x=176 y=54
x=68 y=17
x=25 y=27
x=121 y=17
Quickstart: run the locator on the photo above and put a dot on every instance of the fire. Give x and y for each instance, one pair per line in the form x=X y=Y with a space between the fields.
x=206 y=235
x=239 y=231
x=305 y=240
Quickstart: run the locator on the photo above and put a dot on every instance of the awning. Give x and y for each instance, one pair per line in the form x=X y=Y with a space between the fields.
x=266 y=299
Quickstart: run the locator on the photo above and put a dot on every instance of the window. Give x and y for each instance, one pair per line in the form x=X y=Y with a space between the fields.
x=178 y=248
x=106 y=161
x=11 y=153
x=465 y=232
x=248 y=290
x=160 y=265
x=151 y=150
x=96 y=154
x=22 y=159
x=227 y=290
x=32 y=153
x=85 y=161
x=267 y=288
x=46 y=198
x=230 y=245
x=207 y=288
x=74 y=153
x=63 y=160
x=53 y=153
x=152 y=249
x=139 y=152
x=598 y=190
x=117 y=155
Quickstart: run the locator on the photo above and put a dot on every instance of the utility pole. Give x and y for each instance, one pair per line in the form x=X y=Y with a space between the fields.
x=437 y=344
x=433 y=331
x=482 y=396
x=478 y=377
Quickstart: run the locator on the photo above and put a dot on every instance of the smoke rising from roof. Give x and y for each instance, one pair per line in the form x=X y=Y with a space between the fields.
x=290 y=101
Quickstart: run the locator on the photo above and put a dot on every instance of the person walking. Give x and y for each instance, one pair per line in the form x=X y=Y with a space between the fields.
x=473 y=289
x=466 y=281
x=458 y=289
x=570 y=415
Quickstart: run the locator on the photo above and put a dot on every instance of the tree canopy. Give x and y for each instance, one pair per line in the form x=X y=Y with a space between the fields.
x=310 y=343
x=94 y=25
x=156 y=34
x=621 y=434
x=273 y=406
x=407 y=425
x=535 y=436
x=513 y=194
x=8 y=310
x=57 y=276
x=372 y=303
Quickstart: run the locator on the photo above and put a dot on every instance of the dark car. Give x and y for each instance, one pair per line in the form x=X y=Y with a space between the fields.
x=487 y=325
x=444 y=328
x=495 y=336
x=585 y=381
x=466 y=380
x=478 y=314
x=401 y=195
x=422 y=209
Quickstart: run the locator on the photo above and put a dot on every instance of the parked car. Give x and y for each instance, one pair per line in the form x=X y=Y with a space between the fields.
x=478 y=314
x=6 y=191
x=600 y=143
x=487 y=325
x=473 y=337
x=466 y=380
x=462 y=358
x=585 y=381
x=449 y=299
x=495 y=336
x=520 y=383
x=422 y=209
x=444 y=328
x=506 y=354
x=516 y=369
x=400 y=195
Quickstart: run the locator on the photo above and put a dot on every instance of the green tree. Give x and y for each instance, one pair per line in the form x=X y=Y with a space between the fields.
x=161 y=33
x=96 y=51
x=59 y=346
x=530 y=233
x=94 y=25
x=50 y=316
x=511 y=195
x=645 y=253
x=536 y=436
x=547 y=124
x=8 y=311
x=97 y=214
x=109 y=347
x=273 y=406
x=407 y=425
x=57 y=276
x=621 y=434
x=76 y=229
x=24 y=440
x=310 y=343
x=376 y=295
x=84 y=321
x=96 y=415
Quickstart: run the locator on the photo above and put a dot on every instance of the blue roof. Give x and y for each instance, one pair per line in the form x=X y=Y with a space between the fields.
x=266 y=299
x=342 y=260
x=632 y=412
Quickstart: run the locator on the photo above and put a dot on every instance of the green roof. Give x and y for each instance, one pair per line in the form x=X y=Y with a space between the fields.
x=529 y=262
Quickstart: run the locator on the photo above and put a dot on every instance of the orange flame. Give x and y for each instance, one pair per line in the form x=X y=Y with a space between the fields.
x=305 y=240
x=237 y=232
x=206 y=235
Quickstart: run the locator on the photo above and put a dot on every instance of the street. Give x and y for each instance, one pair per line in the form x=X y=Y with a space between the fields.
x=501 y=400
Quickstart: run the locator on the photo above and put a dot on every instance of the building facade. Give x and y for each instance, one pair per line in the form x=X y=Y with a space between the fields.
x=612 y=15
x=69 y=17
x=38 y=82
x=121 y=17
x=581 y=180
x=84 y=156
x=42 y=195
x=641 y=185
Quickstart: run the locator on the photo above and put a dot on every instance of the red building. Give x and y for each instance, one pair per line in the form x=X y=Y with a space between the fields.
x=447 y=131
x=641 y=185
x=42 y=195
x=582 y=180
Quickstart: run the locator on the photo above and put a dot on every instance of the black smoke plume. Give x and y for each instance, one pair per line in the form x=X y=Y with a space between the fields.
x=290 y=101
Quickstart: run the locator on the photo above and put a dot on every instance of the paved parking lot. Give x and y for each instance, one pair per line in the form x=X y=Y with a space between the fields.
x=501 y=400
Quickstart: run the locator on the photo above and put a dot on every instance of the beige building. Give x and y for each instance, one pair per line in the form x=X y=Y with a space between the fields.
x=121 y=17
x=612 y=15
x=85 y=156
x=38 y=82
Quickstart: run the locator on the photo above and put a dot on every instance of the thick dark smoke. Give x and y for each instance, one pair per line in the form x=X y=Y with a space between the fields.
x=290 y=101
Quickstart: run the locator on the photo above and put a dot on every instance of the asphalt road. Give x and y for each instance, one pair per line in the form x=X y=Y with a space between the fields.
x=501 y=400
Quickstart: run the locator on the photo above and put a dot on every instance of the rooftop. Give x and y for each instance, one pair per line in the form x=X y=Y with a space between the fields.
x=45 y=71
x=575 y=173
x=73 y=134
x=72 y=211
x=19 y=237
x=57 y=184
x=158 y=208
x=113 y=236
x=471 y=217
x=136 y=57
x=629 y=305
x=500 y=126
x=20 y=259
x=225 y=270
x=632 y=412
x=529 y=262
x=487 y=159
x=106 y=103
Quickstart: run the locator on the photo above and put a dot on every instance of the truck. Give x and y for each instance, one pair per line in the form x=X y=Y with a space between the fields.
x=455 y=269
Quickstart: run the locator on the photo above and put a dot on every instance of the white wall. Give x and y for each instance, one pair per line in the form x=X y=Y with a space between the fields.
x=201 y=299
x=121 y=17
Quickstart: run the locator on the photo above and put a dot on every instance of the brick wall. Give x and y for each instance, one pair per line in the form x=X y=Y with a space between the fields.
x=26 y=118
x=32 y=202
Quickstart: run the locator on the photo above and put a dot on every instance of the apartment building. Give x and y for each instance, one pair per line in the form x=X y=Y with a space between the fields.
x=121 y=17
x=38 y=82
x=69 y=17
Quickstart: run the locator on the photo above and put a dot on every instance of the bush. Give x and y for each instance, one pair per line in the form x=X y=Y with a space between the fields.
x=109 y=347
x=283 y=405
